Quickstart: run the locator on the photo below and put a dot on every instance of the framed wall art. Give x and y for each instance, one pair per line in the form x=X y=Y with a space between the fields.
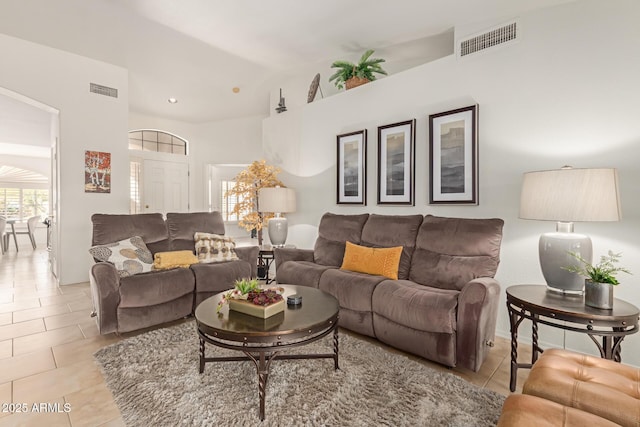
x=97 y=172
x=396 y=163
x=352 y=168
x=453 y=154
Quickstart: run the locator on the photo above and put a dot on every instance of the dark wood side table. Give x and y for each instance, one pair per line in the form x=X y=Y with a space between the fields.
x=564 y=311
x=265 y=259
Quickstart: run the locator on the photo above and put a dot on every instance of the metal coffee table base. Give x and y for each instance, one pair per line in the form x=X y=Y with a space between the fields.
x=263 y=356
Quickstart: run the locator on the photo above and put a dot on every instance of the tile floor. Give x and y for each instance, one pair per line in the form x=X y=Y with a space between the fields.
x=47 y=341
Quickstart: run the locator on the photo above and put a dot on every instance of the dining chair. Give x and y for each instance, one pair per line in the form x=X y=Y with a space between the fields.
x=3 y=236
x=31 y=229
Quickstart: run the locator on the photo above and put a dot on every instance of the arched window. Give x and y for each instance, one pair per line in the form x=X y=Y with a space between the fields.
x=158 y=141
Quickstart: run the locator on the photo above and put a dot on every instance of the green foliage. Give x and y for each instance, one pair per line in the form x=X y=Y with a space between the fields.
x=603 y=272
x=365 y=68
x=246 y=285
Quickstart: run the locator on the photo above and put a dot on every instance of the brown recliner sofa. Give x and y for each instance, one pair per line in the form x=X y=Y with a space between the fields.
x=444 y=304
x=123 y=304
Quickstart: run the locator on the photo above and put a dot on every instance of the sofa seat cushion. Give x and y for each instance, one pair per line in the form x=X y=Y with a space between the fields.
x=602 y=387
x=113 y=228
x=352 y=290
x=154 y=288
x=219 y=276
x=393 y=230
x=334 y=230
x=416 y=306
x=303 y=273
x=452 y=251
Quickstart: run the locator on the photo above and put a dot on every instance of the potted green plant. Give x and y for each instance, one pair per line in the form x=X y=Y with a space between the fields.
x=600 y=278
x=352 y=75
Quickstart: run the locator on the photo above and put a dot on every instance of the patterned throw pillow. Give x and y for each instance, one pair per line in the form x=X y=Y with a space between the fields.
x=214 y=248
x=129 y=256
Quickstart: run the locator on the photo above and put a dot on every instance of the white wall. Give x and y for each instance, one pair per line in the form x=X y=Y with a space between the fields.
x=231 y=141
x=567 y=93
x=87 y=122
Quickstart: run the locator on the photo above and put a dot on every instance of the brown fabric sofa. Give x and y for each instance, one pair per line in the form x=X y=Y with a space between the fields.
x=581 y=390
x=444 y=304
x=124 y=304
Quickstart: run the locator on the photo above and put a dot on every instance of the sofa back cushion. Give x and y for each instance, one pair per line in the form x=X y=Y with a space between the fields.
x=114 y=228
x=384 y=231
x=183 y=227
x=452 y=251
x=334 y=230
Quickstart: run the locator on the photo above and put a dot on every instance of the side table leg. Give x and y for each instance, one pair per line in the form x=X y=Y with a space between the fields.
x=335 y=348
x=534 y=338
x=513 y=320
x=201 y=351
x=263 y=375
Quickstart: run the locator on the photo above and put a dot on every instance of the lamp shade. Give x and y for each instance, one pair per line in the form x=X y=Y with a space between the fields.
x=277 y=200
x=570 y=195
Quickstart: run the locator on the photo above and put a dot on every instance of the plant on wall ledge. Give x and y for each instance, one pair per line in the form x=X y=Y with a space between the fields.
x=247 y=185
x=352 y=75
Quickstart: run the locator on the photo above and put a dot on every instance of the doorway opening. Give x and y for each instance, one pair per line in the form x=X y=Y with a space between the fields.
x=158 y=172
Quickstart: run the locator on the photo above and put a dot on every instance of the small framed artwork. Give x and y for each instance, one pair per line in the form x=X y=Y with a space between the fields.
x=352 y=168
x=453 y=154
x=396 y=163
x=97 y=172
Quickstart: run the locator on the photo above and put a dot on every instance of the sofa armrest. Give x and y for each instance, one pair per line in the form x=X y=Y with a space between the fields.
x=283 y=255
x=105 y=294
x=477 y=314
x=250 y=255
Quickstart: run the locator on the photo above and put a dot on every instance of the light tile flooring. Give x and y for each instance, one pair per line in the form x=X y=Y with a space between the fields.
x=47 y=341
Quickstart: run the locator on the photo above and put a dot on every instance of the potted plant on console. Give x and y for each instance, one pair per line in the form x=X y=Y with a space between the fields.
x=600 y=279
x=352 y=75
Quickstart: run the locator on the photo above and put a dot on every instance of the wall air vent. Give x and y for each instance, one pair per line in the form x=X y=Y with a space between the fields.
x=103 y=90
x=489 y=39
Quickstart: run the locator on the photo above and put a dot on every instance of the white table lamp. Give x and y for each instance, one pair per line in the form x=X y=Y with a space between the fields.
x=277 y=200
x=566 y=196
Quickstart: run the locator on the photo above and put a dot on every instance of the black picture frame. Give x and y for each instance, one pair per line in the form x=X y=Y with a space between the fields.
x=351 y=180
x=396 y=163
x=453 y=157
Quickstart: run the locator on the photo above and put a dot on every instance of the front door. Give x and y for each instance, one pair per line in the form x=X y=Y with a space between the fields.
x=166 y=186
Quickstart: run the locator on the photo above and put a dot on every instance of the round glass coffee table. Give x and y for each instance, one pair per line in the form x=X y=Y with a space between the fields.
x=263 y=340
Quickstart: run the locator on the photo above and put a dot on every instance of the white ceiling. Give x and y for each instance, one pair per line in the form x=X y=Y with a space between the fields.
x=198 y=50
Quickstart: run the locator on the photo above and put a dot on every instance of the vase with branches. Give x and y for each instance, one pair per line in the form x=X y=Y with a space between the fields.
x=247 y=185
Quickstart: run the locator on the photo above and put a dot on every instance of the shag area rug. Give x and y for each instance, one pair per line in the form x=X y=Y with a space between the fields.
x=155 y=382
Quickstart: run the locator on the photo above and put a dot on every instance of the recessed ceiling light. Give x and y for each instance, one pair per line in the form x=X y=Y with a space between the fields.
x=172 y=100
x=235 y=89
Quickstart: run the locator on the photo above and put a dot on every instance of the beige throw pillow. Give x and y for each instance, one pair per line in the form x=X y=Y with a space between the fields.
x=214 y=248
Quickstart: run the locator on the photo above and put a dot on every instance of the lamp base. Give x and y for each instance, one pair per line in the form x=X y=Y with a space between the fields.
x=554 y=251
x=278 y=228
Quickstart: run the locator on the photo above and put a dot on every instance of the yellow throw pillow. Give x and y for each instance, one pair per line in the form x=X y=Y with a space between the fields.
x=378 y=261
x=173 y=259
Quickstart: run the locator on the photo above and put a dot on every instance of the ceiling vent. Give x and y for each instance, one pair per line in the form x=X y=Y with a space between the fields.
x=103 y=90
x=496 y=37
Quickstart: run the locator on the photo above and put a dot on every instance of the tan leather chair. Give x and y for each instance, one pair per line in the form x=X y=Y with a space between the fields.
x=523 y=410
x=602 y=387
